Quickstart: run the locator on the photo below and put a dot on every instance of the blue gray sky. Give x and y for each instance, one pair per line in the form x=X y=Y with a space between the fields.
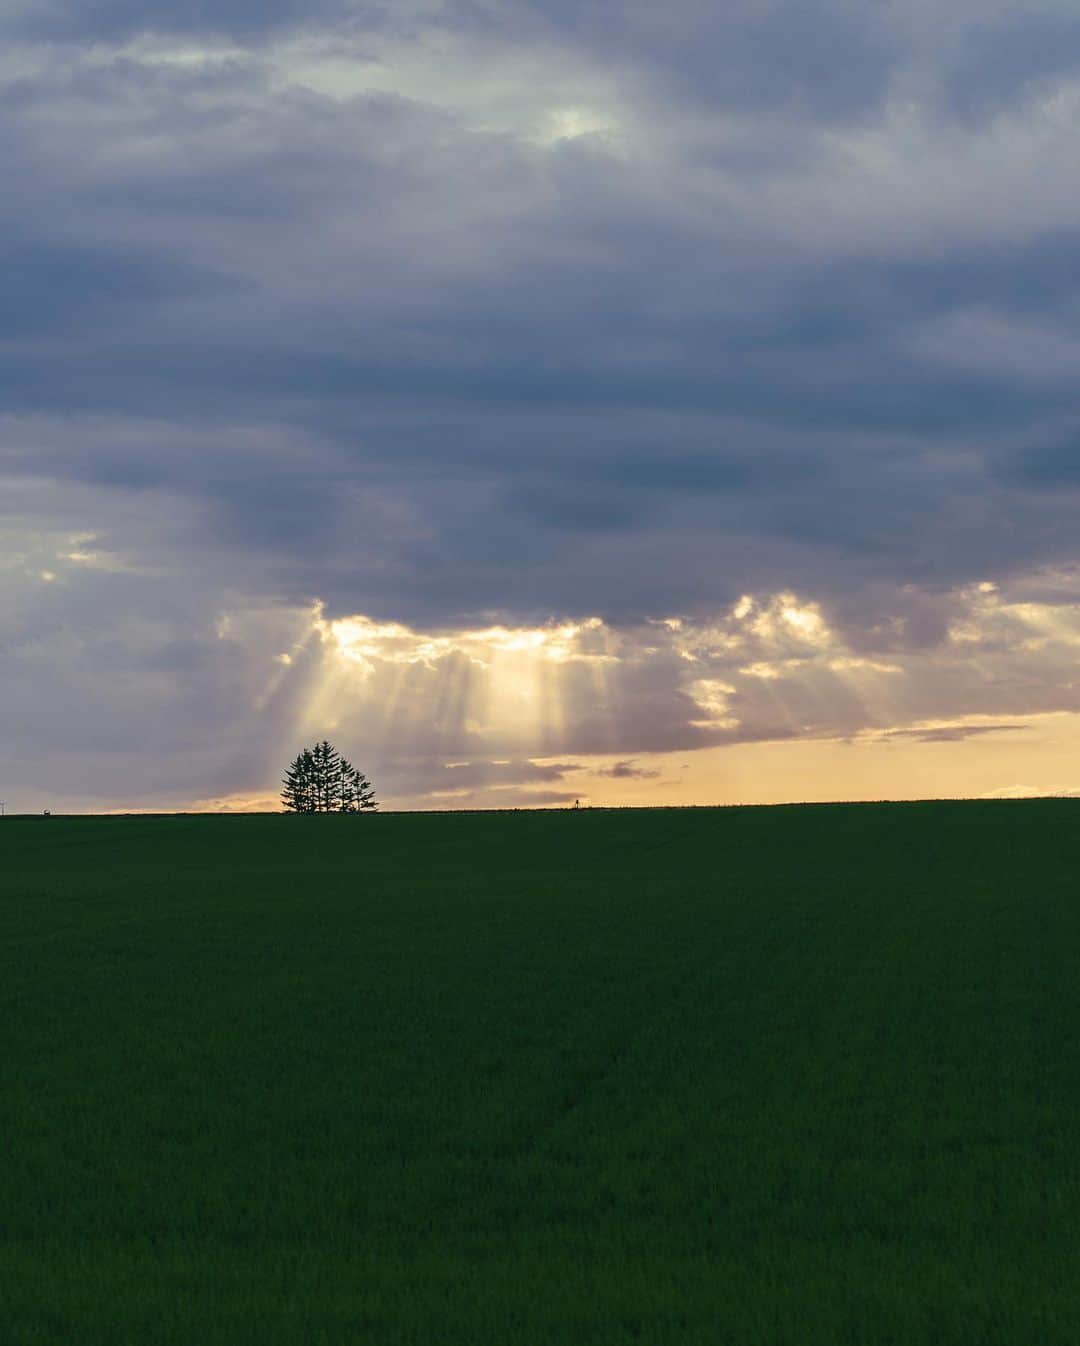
x=541 y=400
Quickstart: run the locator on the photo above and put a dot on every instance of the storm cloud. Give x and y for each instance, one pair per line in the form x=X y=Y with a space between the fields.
x=463 y=318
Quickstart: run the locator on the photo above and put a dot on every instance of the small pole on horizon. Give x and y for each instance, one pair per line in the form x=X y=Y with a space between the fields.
x=2 y=803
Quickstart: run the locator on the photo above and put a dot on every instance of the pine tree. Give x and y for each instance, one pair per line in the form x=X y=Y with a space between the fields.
x=320 y=780
x=346 y=771
x=327 y=772
x=356 y=790
x=298 y=794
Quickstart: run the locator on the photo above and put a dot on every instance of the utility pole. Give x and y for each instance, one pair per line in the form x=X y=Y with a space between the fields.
x=2 y=802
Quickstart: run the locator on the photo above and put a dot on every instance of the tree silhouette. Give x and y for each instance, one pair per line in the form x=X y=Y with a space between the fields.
x=320 y=780
x=354 y=789
x=298 y=792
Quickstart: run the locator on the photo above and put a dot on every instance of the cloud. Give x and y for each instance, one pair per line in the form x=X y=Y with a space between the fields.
x=454 y=777
x=119 y=20
x=57 y=288
x=1029 y=792
x=1010 y=58
x=952 y=733
x=503 y=799
x=1047 y=466
x=456 y=716
x=463 y=319
x=627 y=770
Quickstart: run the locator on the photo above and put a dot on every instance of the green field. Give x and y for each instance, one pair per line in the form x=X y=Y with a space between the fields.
x=780 y=1075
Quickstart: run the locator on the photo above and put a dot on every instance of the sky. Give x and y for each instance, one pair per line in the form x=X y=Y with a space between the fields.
x=543 y=401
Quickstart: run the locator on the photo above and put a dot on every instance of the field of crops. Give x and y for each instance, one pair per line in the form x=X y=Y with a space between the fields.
x=781 y=1076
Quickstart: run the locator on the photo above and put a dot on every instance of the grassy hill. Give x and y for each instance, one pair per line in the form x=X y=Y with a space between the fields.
x=784 y=1075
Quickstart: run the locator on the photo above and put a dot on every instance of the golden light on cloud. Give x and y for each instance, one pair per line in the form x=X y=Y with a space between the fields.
x=485 y=688
x=784 y=619
x=360 y=640
x=713 y=697
x=679 y=710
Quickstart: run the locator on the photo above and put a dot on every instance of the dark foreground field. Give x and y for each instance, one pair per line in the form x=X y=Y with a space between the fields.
x=791 y=1075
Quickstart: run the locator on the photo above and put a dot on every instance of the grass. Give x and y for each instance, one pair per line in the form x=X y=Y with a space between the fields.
x=786 y=1075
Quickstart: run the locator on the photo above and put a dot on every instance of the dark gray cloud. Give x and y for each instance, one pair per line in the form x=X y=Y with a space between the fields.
x=821 y=57
x=62 y=288
x=1004 y=60
x=954 y=733
x=469 y=775
x=1048 y=466
x=117 y=20
x=458 y=315
x=628 y=770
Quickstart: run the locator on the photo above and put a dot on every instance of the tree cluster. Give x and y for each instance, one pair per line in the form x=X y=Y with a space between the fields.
x=320 y=780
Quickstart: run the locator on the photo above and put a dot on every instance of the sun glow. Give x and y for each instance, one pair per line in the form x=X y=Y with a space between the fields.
x=461 y=691
x=713 y=696
x=360 y=640
x=477 y=691
x=570 y=123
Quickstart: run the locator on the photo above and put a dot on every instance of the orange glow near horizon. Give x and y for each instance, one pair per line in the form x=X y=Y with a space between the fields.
x=1041 y=759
